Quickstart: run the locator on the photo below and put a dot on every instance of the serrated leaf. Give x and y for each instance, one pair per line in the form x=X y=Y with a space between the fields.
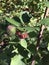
x=23 y=43
x=45 y=21
x=16 y=60
x=12 y=21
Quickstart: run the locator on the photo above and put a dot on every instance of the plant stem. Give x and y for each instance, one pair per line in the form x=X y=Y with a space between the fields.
x=39 y=36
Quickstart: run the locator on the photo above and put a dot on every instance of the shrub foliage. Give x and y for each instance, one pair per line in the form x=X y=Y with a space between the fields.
x=24 y=32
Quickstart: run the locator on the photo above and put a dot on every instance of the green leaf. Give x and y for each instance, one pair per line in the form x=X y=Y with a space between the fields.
x=26 y=28
x=45 y=21
x=12 y=21
x=32 y=49
x=16 y=60
x=30 y=29
x=23 y=43
x=47 y=3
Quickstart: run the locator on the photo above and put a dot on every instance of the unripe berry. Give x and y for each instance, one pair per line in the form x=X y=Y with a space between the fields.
x=11 y=30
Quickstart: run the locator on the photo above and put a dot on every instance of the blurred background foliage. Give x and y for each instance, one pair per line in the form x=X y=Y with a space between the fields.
x=24 y=15
x=13 y=7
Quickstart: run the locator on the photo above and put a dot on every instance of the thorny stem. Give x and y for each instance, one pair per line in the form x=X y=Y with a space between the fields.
x=40 y=35
x=42 y=29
